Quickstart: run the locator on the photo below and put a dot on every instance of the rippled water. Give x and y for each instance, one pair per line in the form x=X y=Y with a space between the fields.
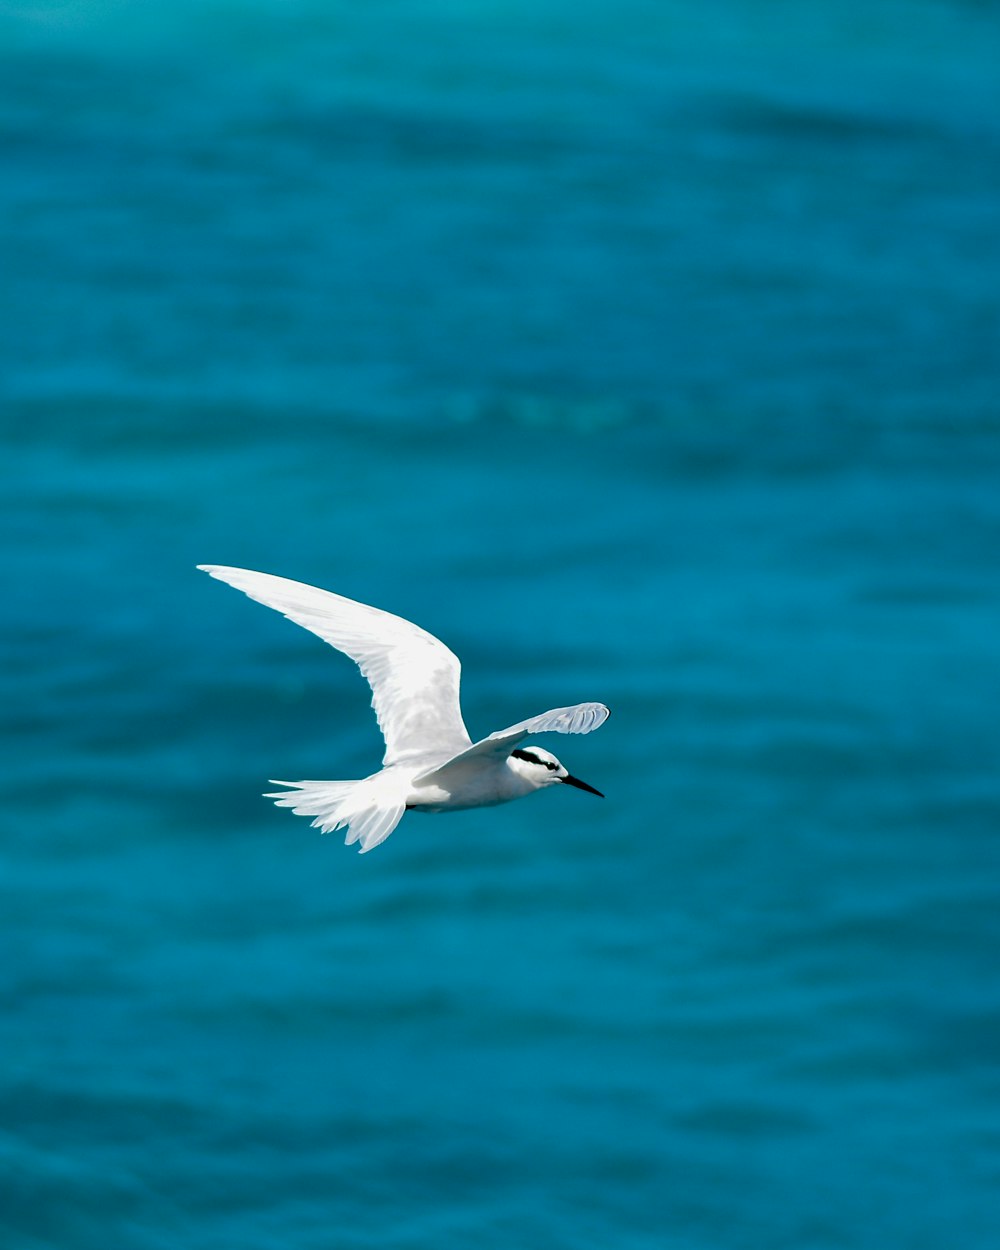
x=643 y=354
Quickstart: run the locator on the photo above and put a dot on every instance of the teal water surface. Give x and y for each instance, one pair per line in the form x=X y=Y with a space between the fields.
x=646 y=353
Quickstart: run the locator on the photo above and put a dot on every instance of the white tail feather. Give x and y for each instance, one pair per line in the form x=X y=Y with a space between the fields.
x=336 y=804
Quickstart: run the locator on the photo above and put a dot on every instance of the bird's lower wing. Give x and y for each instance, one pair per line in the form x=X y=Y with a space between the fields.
x=414 y=677
x=583 y=718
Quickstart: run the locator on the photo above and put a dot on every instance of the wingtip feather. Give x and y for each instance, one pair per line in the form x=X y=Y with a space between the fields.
x=218 y=571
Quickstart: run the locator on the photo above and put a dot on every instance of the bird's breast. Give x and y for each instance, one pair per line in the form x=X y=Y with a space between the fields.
x=472 y=785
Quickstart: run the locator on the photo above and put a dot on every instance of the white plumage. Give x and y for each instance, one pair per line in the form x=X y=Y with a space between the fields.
x=430 y=764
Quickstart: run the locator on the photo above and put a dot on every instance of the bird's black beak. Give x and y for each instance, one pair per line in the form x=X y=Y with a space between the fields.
x=581 y=785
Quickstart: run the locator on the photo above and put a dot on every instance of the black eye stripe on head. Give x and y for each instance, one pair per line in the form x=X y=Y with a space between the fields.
x=532 y=759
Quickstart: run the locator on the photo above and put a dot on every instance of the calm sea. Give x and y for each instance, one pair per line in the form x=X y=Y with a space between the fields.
x=645 y=352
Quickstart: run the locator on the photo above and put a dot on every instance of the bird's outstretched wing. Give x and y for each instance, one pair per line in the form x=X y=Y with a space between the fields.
x=414 y=677
x=582 y=718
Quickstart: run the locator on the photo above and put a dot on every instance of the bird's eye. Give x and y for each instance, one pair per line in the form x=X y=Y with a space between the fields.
x=550 y=767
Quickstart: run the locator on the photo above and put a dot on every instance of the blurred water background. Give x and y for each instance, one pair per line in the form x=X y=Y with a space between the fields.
x=646 y=352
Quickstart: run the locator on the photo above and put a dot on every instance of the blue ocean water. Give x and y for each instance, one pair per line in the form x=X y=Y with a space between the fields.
x=646 y=353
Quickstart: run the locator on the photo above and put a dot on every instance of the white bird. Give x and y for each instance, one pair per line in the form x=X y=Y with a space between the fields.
x=430 y=764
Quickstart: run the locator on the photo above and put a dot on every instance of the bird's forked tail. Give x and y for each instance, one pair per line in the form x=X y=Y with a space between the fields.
x=370 y=816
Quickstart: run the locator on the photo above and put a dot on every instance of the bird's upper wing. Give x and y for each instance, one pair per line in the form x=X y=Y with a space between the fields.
x=582 y=718
x=414 y=677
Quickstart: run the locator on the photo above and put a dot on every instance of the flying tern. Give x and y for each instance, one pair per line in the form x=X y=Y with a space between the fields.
x=430 y=764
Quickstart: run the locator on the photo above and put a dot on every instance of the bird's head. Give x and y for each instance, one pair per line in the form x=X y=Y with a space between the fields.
x=541 y=768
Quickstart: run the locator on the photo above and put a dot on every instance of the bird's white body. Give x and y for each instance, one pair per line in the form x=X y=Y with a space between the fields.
x=431 y=764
